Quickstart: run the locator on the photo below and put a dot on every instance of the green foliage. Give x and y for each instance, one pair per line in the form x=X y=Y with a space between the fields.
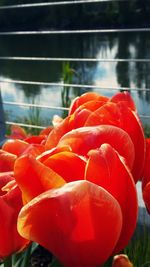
x=147 y=130
x=138 y=249
x=68 y=73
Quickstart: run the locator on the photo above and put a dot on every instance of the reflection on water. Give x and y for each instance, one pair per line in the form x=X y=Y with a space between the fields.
x=103 y=74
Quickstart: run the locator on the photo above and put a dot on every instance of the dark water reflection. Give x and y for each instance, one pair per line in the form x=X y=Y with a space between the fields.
x=103 y=74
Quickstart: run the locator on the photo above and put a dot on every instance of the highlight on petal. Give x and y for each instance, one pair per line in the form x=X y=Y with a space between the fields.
x=121 y=116
x=68 y=165
x=10 y=240
x=121 y=260
x=82 y=223
x=106 y=168
x=124 y=97
x=7 y=161
x=33 y=178
x=83 y=139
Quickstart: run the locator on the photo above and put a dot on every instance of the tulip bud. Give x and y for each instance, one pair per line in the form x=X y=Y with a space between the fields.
x=121 y=260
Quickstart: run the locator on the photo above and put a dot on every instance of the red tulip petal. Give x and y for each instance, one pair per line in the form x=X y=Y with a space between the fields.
x=34 y=139
x=146 y=169
x=46 y=130
x=122 y=116
x=34 y=178
x=78 y=118
x=68 y=165
x=34 y=149
x=92 y=105
x=56 y=120
x=76 y=220
x=9 y=186
x=106 y=168
x=17 y=132
x=46 y=154
x=5 y=177
x=7 y=161
x=16 y=146
x=80 y=100
x=124 y=97
x=83 y=139
x=10 y=240
x=146 y=196
x=57 y=132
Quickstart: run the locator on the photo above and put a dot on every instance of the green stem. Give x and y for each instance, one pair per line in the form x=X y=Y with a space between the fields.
x=27 y=257
x=8 y=262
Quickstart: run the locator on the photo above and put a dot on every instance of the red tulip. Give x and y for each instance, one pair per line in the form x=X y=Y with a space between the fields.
x=83 y=139
x=121 y=260
x=10 y=240
x=107 y=169
x=123 y=117
x=79 y=223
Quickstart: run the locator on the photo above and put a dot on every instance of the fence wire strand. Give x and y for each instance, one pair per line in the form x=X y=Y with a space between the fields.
x=59 y=3
x=84 y=31
x=113 y=60
x=67 y=59
x=72 y=85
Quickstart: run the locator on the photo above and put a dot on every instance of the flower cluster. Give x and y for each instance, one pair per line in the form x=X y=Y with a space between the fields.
x=72 y=188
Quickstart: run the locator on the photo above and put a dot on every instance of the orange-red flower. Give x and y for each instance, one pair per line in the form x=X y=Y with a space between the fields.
x=79 y=222
x=10 y=240
x=121 y=260
x=107 y=169
x=83 y=139
x=92 y=109
x=76 y=180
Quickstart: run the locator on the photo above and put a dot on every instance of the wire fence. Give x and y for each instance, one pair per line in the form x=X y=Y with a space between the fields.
x=80 y=60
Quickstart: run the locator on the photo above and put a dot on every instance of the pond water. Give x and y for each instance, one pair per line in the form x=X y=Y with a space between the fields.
x=103 y=74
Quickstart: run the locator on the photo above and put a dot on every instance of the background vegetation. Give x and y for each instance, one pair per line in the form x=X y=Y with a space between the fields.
x=106 y=14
